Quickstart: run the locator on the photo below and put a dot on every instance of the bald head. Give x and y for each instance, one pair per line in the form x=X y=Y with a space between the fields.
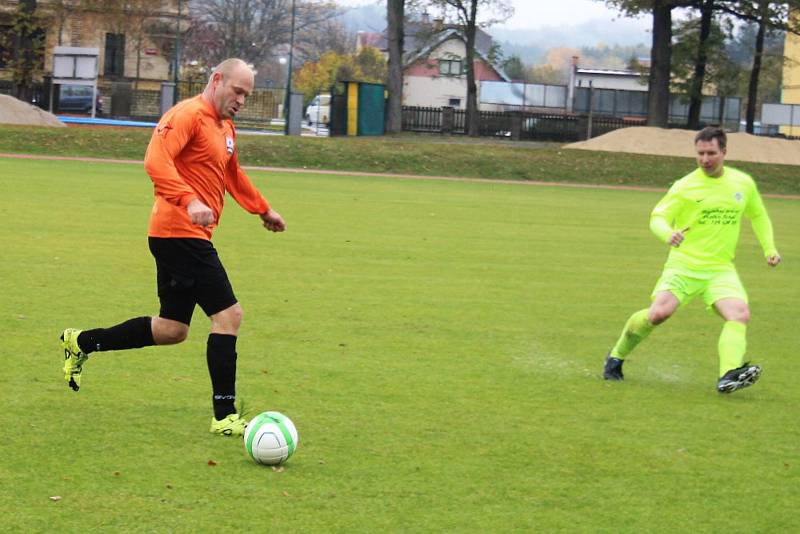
x=233 y=65
x=230 y=84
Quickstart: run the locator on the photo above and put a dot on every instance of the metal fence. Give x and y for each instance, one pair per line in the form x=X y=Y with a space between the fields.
x=40 y=91
x=626 y=103
x=129 y=100
x=515 y=125
x=550 y=127
x=422 y=119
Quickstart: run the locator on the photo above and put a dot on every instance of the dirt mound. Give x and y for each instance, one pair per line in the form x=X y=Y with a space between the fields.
x=661 y=142
x=13 y=111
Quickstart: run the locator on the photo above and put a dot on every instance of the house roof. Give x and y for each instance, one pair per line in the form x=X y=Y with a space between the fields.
x=609 y=72
x=421 y=39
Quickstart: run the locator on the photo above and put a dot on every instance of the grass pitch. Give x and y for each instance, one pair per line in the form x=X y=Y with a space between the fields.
x=438 y=344
x=428 y=155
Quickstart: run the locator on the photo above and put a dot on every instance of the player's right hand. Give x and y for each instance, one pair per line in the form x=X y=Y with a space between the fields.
x=678 y=237
x=774 y=260
x=199 y=213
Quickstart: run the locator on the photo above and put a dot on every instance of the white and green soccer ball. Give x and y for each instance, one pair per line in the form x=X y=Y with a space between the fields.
x=271 y=438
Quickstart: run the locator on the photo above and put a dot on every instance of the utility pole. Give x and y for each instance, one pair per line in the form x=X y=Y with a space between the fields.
x=288 y=104
x=177 y=54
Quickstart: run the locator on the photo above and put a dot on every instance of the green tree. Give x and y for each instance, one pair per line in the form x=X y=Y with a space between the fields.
x=699 y=57
x=372 y=64
x=23 y=48
x=515 y=69
x=546 y=74
x=768 y=17
x=660 y=53
x=318 y=76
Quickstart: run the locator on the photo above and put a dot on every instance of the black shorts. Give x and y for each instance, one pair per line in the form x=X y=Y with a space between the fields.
x=188 y=272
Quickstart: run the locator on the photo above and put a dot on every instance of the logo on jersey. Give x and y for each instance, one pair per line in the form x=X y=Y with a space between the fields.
x=738 y=196
x=229 y=145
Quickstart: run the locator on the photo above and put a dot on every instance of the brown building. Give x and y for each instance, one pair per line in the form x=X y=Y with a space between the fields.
x=135 y=39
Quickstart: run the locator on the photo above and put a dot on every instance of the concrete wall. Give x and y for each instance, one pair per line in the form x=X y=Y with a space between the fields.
x=790 y=93
x=426 y=91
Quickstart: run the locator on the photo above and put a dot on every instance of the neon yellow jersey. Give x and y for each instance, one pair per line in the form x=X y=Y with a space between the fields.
x=711 y=208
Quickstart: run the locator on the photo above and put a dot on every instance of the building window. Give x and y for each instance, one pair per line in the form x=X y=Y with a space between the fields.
x=450 y=67
x=115 y=55
x=454 y=102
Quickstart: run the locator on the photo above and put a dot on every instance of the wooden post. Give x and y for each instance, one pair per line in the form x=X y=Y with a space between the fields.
x=448 y=119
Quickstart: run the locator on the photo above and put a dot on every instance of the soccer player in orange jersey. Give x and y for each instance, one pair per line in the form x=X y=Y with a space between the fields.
x=192 y=161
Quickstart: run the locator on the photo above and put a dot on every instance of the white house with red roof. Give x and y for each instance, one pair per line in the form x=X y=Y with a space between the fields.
x=434 y=63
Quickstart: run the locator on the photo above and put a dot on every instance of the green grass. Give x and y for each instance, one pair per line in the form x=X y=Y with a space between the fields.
x=438 y=344
x=420 y=155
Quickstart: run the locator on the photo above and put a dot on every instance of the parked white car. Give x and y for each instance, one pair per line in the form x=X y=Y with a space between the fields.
x=319 y=110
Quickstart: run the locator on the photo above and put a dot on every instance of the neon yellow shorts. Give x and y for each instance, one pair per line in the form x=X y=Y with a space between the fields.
x=713 y=286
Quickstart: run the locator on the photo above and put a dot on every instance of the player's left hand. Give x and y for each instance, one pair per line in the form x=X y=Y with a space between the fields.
x=773 y=260
x=273 y=221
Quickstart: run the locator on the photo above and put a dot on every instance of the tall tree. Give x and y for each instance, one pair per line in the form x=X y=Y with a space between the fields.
x=763 y=13
x=768 y=17
x=466 y=13
x=696 y=87
x=660 y=52
x=395 y=16
x=25 y=43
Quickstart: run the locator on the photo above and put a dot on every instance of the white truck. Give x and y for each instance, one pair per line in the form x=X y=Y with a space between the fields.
x=319 y=110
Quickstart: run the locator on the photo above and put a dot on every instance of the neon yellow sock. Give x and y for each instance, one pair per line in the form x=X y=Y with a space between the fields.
x=636 y=329
x=732 y=346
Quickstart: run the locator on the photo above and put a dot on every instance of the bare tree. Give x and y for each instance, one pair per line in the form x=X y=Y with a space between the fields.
x=326 y=36
x=140 y=21
x=253 y=29
x=466 y=13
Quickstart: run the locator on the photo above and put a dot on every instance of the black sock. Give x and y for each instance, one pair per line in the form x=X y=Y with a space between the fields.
x=221 y=357
x=132 y=334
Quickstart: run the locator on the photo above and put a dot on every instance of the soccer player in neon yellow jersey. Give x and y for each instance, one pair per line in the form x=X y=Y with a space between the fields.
x=700 y=218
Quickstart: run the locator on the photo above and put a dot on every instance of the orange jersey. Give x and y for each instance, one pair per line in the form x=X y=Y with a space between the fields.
x=192 y=155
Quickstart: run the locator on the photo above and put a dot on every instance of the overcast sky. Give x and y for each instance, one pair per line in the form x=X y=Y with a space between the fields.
x=538 y=13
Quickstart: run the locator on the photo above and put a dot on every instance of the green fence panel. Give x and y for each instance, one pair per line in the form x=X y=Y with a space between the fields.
x=371 y=108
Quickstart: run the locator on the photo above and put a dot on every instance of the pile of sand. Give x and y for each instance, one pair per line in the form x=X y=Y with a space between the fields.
x=662 y=142
x=13 y=111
